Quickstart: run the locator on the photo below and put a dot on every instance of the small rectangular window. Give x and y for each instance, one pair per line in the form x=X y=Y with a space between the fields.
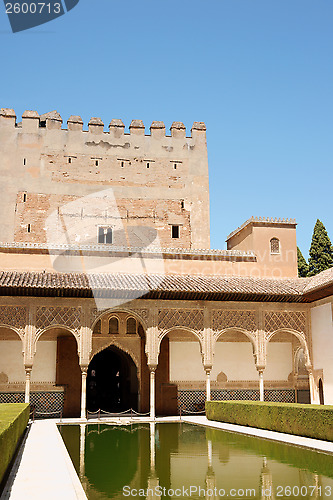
x=182 y=204
x=175 y=166
x=108 y=235
x=69 y=160
x=147 y=165
x=24 y=197
x=24 y=161
x=175 y=231
x=105 y=235
x=101 y=235
x=96 y=163
x=122 y=164
x=29 y=228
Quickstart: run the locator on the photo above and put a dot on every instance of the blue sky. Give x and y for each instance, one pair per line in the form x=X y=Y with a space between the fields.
x=258 y=72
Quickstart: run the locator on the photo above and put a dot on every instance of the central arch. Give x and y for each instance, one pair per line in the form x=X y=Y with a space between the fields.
x=112 y=381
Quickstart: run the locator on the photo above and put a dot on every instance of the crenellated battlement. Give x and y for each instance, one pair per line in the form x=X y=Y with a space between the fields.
x=32 y=121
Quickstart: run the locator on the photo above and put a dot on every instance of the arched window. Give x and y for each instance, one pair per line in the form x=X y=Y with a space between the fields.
x=131 y=326
x=275 y=245
x=98 y=327
x=113 y=326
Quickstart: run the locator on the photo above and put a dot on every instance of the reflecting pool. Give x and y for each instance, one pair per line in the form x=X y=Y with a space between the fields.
x=173 y=460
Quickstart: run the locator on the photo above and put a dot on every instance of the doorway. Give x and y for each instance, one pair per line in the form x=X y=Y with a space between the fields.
x=112 y=382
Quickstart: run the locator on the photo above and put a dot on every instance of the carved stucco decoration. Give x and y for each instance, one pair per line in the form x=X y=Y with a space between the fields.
x=187 y=318
x=63 y=316
x=277 y=320
x=143 y=314
x=226 y=318
x=14 y=316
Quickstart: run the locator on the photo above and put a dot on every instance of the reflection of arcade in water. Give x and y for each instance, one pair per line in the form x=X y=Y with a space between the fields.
x=176 y=456
x=112 y=383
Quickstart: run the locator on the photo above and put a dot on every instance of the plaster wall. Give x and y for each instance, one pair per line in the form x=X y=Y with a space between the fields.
x=279 y=361
x=322 y=346
x=44 y=367
x=11 y=360
x=185 y=362
x=235 y=360
x=34 y=261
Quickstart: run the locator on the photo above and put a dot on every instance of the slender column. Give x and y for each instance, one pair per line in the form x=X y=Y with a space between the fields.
x=314 y=397
x=152 y=391
x=261 y=385
x=208 y=384
x=27 y=384
x=83 y=391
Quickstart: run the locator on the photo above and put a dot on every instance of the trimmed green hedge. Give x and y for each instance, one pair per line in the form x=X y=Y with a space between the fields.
x=315 y=421
x=13 y=422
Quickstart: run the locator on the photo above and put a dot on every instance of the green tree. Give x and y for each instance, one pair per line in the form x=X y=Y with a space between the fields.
x=303 y=266
x=321 y=251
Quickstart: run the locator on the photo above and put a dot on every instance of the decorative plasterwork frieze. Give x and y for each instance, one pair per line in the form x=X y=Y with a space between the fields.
x=277 y=320
x=60 y=316
x=226 y=318
x=186 y=318
x=15 y=316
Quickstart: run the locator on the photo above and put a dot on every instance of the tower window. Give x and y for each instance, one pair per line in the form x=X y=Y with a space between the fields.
x=182 y=204
x=24 y=161
x=69 y=160
x=175 y=166
x=105 y=235
x=147 y=165
x=131 y=326
x=29 y=228
x=96 y=163
x=113 y=325
x=24 y=197
x=275 y=245
x=122 y=164
x=175 y=231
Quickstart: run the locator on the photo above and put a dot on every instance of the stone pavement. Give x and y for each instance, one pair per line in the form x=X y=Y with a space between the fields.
x=43 y=469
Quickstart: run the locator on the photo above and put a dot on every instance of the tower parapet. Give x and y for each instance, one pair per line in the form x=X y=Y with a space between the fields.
x=32 y=121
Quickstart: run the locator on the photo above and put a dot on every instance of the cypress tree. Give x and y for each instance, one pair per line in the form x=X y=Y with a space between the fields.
x=303 y=267
x=321 y=251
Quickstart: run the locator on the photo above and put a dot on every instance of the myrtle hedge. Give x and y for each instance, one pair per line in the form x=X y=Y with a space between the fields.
x=315 y=421
x=13 y=422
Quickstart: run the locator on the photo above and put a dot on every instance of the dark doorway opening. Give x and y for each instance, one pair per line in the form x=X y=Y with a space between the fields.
x=112 y=382
x=321 y=391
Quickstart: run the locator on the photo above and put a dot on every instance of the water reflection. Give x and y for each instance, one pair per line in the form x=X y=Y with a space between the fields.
x=156 y=461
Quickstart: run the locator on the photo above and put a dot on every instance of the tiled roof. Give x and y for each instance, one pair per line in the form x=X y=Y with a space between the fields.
x=321 y=280
x=261 y=220
x=169 y=286
x=153 y=286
